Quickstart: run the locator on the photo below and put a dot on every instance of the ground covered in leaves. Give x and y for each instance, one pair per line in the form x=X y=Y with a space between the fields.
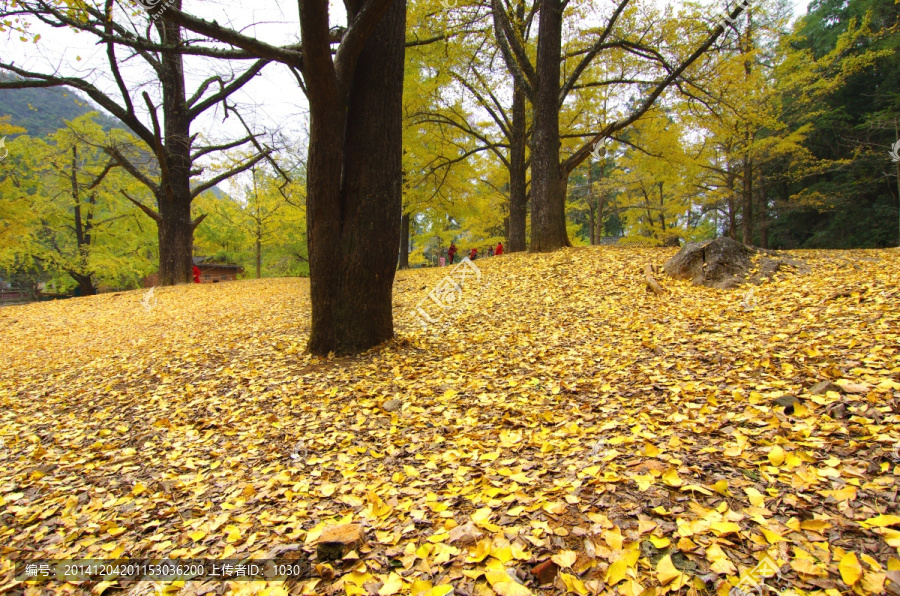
x=639 y=442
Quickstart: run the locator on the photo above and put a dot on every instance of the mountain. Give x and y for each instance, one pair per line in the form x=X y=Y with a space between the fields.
x=44 y=110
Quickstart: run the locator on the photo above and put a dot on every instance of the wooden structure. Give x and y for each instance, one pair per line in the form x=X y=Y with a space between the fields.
x=216 y=272
x=210 y=273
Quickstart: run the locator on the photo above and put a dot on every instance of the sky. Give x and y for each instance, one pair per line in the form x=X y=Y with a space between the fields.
x=271 y=102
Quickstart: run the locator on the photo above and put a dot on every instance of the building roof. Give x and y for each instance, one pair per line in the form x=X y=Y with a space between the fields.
x=202 y=263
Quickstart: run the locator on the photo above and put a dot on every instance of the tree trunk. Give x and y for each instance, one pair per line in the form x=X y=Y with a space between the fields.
x=747 y=203
x=548 y=196
x=404 y=242
x=591 y=205
x=600 y=205
x=176 y=230
x=354 y=201
x=518 y=199
x=85 y=284
x=763 y=214
x=258 y=255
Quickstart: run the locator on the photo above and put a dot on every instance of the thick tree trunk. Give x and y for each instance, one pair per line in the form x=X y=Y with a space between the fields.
x=548 y=194
x=747 y=203
x=175 y=231
x=85 y=284
x=404 y=242
x=354 y=201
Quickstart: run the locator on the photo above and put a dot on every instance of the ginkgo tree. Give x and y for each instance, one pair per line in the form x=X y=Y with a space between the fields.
x=78 y=224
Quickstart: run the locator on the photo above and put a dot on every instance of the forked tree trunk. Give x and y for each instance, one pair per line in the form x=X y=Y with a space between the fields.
x=354 y=198
x=518 y=199
x=175 y=228
x=548 y=185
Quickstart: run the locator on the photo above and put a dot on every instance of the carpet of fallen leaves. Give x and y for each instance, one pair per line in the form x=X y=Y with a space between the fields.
x=564 y=413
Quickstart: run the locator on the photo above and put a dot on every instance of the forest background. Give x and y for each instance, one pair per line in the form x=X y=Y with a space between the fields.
x=781 y=136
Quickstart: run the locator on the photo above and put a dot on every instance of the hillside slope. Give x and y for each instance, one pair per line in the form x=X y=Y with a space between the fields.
x=45 y=110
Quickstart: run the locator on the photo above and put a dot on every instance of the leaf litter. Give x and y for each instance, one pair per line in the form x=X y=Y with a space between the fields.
x=565 y=427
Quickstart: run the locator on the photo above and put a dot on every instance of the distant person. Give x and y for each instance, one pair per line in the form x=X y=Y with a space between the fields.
x=473 y=254
x=196 y=274
x=451 y=252
x=490 y=251
x=499 y=250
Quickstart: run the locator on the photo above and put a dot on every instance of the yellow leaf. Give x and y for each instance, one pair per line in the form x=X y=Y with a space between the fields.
x=616 y=572
x=723 y=528
x=666 y=572
x=393 y=585
x=565 y=558
x=327 y=489
x=881 y=521
x=138 y=489
x=892 y=537
x=671 y=477
x=511 y=588
x=573 y=584
x=776 y=455
x=807 y=567
x=660 y=542
x=233 y=534
x=482 y=550
x=441 y=590
x=850 y=569
x=197 y=536
x=816 y=525
x=756 y=497
x=721 y=487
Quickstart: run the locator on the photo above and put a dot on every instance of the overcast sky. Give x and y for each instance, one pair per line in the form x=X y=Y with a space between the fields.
x=272 y=101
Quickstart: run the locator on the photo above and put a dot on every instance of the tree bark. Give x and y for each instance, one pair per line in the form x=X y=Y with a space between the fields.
x=404 y=242
x=354 y=201
x=548 y=196
x=600 y=205
x=518 y=199
x=747 y=203
x=176 y=230
x=590 y=201
x=763 y=214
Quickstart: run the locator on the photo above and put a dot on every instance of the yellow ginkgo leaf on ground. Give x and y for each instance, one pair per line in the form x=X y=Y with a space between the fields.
x=776 y=455
x=723 y=528
x=671 y=478
x=616 y=572
x=392 y=585
x=666 y=572
x=565 y=558
x=850 y=569
x=881 y=521
x=816 y=525
x=573 y=584
x=807 y=567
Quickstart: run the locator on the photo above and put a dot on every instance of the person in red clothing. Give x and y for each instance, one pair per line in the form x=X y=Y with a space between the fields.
x=473 y=254
x=499 y=250
x=196 y=274
x=451 y=252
